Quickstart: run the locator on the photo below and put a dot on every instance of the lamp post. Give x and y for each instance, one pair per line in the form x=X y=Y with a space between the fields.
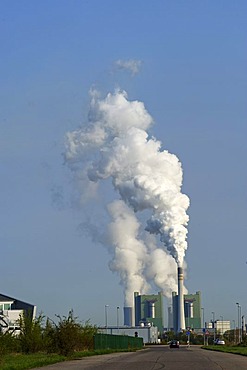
x=203 y=326
x=239 y=315
x=222 y=325
x=106 y=306
x=243 y=326
x=234 y=331
x=214 y=324
x=240 y=326
x=118 y=319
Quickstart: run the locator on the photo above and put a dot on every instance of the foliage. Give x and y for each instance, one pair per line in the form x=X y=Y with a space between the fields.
x=87 y=335
x=8 y=343
x=64 y=338
x=238 y=350
x=68 y=335
x=28 y=361
x=196 y=339
x=50 y=337
x=30 y=337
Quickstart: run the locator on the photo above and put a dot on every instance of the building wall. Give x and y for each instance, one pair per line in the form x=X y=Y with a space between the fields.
x=222 y=326
x=192 y=310
x=149 y=309
x=16 y=304
x=10 y=311
x=195 y=321
x=148 y=333
x=170 y=318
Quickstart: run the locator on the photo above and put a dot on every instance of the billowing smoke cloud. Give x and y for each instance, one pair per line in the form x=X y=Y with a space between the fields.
x=131 y=65
x=129 y=252
x=114 y=144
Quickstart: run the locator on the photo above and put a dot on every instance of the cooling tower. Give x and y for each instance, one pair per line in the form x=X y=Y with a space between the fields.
x=128 y=312
x=181 y=319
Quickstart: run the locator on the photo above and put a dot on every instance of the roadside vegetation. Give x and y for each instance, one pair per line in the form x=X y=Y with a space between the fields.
x=19 y=361
x=237 y=349
x=231 y=346
x=43 y=342
x=40 y=343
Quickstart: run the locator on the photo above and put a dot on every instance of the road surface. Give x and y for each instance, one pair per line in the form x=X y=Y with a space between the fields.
x=157 y=358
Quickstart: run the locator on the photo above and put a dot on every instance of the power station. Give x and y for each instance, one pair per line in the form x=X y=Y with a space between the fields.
x=184 y=313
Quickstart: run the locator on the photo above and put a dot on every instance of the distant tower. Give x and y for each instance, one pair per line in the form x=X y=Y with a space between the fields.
x=180 y=313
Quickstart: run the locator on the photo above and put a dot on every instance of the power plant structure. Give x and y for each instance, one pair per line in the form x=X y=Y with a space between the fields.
x=128 y=316
x=180 y=312
x=147 y=310
x=192 y=311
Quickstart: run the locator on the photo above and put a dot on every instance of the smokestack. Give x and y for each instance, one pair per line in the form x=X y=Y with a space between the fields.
x=181 y=320
x=128 y=312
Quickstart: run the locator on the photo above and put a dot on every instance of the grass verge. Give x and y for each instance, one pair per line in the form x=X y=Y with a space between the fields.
x=237 y=350
x=25 y=362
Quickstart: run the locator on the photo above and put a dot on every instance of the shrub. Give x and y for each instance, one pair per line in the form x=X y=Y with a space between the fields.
x=87 y=336
x=50 y=337
x=30 y=337
x=8 y=343
x=68 y=335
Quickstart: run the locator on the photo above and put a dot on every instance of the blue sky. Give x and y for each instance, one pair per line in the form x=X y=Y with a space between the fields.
x=192 y=80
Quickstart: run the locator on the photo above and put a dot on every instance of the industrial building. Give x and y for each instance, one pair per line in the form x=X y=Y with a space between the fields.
x=192 y=311
x=221 y=326
x=149 y=310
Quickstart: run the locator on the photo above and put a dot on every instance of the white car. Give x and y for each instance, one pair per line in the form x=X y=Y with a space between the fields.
x=220 y=342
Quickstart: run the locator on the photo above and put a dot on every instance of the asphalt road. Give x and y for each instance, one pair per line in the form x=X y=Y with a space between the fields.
x=156 y=358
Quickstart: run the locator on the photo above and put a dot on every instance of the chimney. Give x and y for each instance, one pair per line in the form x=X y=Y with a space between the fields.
x=181 y=319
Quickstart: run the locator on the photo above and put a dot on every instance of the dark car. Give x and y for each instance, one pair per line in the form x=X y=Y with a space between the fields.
x=174 y=344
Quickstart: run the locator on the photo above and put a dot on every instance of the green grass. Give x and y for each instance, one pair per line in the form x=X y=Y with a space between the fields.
x=24 y=362
x=238 y=350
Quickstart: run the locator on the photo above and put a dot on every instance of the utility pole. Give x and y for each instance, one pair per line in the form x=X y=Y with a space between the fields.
x=203 y=326
x=214 y=324
x=106 y=306
x=239 y=324
x=234 y=331
x=118 y=319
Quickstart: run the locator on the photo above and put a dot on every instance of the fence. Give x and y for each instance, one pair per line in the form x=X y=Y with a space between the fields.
x=107 y=341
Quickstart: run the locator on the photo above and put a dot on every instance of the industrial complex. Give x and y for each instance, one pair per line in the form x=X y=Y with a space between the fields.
x=145 y=319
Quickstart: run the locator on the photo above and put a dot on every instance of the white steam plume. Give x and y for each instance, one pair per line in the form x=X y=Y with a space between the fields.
x=131 y=65
x=115 y=144
x=129 y=252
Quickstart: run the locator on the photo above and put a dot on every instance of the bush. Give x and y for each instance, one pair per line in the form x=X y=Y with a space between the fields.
x=8 y=343
x=65 y=337
x=50 y=337
x=68 y=335
x=87 y=336
x=31 y=339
